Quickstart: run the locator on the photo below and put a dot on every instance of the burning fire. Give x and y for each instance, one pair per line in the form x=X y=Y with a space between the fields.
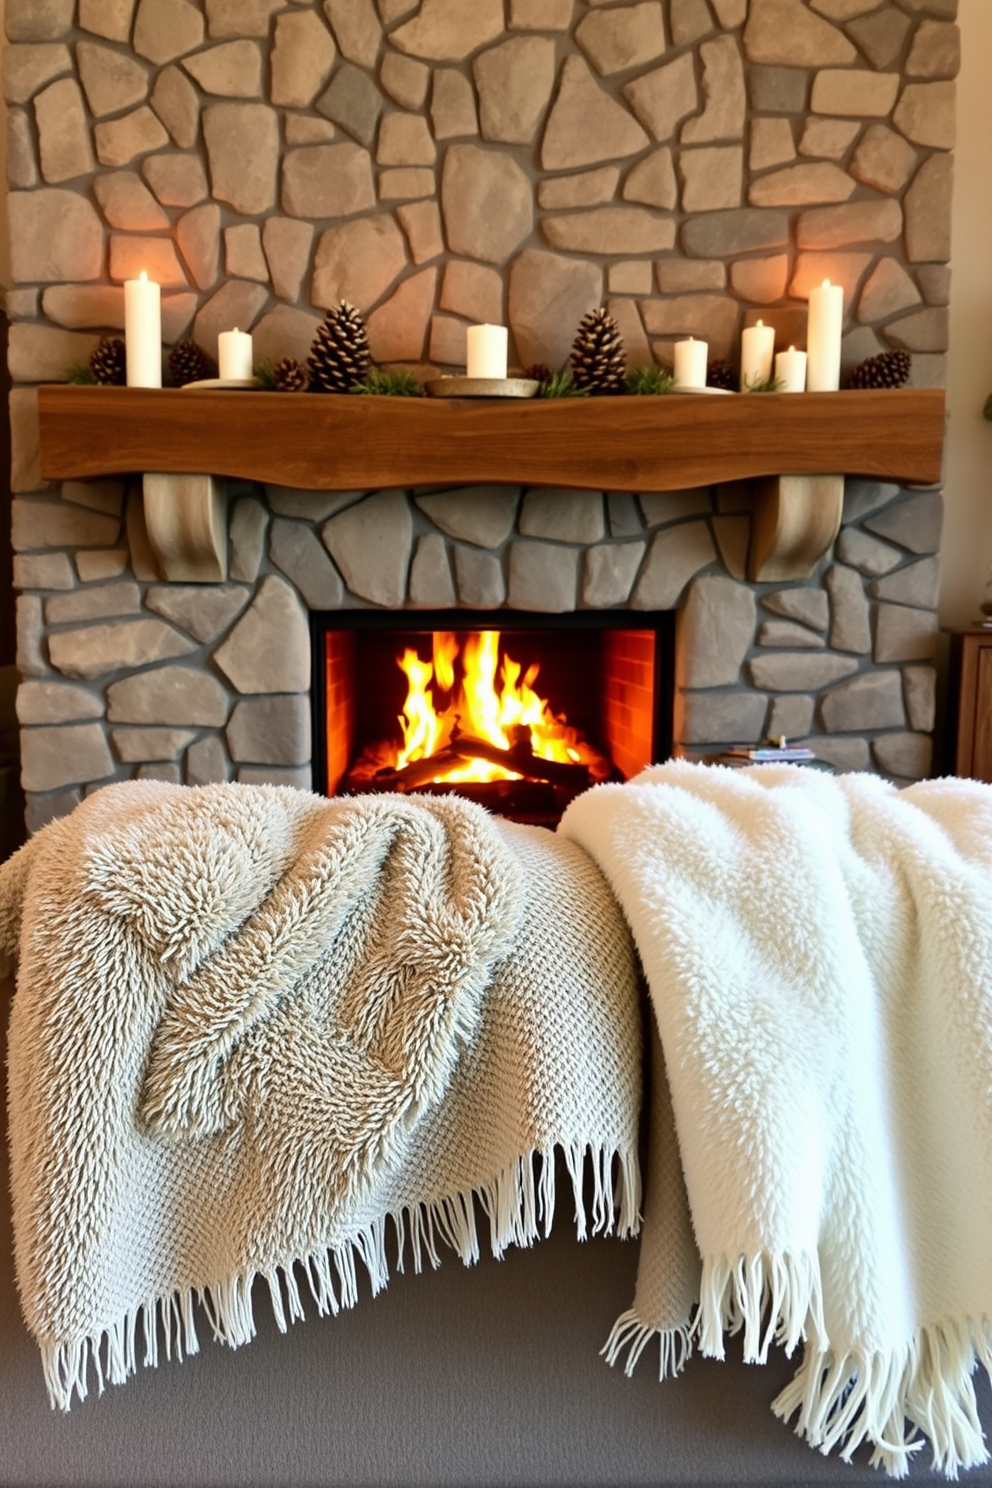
x=457 y=693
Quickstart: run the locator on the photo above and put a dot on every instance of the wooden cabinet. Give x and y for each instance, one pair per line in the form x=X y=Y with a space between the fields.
x=971 y=702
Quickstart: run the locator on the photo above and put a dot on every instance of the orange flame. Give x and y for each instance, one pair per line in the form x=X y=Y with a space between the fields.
x=478 y=708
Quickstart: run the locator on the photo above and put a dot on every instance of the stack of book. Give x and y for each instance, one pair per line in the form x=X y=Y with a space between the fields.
x=762 y=754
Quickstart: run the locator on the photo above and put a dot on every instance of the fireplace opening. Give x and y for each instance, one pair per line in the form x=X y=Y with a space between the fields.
x=519 y=712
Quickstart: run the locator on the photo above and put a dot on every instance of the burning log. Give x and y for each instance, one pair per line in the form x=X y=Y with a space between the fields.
x=519 y=758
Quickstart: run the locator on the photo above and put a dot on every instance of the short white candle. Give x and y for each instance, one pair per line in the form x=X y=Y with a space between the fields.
x=790 y=370
x=486 y=351
x=234 y=357
x=690 y=363
x=143 y=332
x=757 y=350
x=823 y=337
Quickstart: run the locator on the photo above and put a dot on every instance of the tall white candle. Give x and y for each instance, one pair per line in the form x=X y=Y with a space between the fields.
x=143 y=332
x=790 y=370
x=757 y=350
x=234 y=358
x=690 y=363
x=486 y=351
x=823 y=337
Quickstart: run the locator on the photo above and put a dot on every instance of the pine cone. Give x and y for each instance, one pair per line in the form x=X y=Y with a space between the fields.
x=189 y=363
x=598 y=360
x=539 y=372
x=109 y=361
x=339 y=357
x=289 y=376
x=889 y=369
x=720 y=374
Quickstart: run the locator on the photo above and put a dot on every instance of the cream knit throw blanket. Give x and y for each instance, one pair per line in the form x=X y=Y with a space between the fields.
x=819 y=957
x=252 y=1024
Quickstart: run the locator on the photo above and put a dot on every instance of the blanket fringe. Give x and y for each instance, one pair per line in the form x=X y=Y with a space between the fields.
x=630 y=1332
x=519 y=1206
x=862 y=1398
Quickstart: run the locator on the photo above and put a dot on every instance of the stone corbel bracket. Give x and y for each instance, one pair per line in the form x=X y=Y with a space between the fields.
x=186 y=517
x=795 y=521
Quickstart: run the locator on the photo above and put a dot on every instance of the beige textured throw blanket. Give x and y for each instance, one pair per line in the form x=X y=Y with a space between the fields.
x=819 y=957
x=252 y=1025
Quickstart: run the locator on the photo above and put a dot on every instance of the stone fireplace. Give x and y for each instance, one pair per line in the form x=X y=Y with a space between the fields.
x=692 y=164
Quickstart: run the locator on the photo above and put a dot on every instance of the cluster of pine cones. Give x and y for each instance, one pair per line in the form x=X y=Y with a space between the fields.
x=339 y=357
x=889 y=369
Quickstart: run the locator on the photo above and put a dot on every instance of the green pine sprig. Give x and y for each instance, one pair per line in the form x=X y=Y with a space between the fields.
x=80 y=375
x=649 y=381
x=560 y=385
x=763 y=384
x=397 y=384
x=265 y=375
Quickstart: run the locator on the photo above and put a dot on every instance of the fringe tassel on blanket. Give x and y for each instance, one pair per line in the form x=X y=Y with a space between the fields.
x=519 y=1205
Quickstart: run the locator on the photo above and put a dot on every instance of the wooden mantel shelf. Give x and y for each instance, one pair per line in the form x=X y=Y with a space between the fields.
x=321 y=442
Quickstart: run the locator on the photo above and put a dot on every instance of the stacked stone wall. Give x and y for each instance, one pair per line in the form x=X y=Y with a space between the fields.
x=692 y=164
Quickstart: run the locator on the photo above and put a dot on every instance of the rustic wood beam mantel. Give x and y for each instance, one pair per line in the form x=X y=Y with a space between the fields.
x=324 y=442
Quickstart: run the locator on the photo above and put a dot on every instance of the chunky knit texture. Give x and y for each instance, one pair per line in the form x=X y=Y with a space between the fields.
x=252 y=1024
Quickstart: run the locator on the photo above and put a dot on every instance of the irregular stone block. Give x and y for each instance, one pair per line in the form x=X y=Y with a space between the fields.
x=357 y=261
x=624 y=37
x=286 y=242
x=542 y=577
x=548 y=296
x=927 y=330
x=176 y=103
x=676 y=554
x=234 y=306
x=889 y=289
x=845 y=754
x=54 y=757
x=242 y=141
x=607 y=230
x=231 y=70
x=715 y=631
x=916 y=584
x=871 y=701
x=936 y=51
x=37 y=20
x=198 y=236
x=112 y=80
x=107 y=18
x=883 y=159
x=624 y=517
x=304 y=129
x=925 y=114
x=760 y=281
x=327 y=181
x=690 y=20
x=28 y=68
x=206 y=762
x=452 y=105
x=802 y=185
x=159 y=771
x=869 y=556
x=933 y=279
x=727 y=234
x=177 y=180
x=914 y=524
x=134 y=745
x=786 y=33
x=243 y=253
x=855 y=222
x=246 y=539
x=56 y=702
x=709 y=318
x=202 y=610
x=588 y=188
x=298 y=778
x=269 y=648
x=42 y=354
x=840 y=268
x=405 y=80
x=843 y=10
x=40 y=810
x=480 y=579
x=719 y=717
x=63 y=132
x=169 y=695
x=119 y=141
x=473 y=291
x=357 y=29
x=586 y=125
x=310 y=506
x=448 y=30
x=371 y=545
x=127 y=203
x=397 y=330
x=481 y=515
x=928 y=211
x=404 y=139
x=724 y=98
x=631 y=327
x=906 y=756
x=778 y=90
x=661 y=507
x=98 y=603
x=99 y=650
x=632 y=278
x=730 y=13
x=401 y=183
x=240 y=17
x=712 y=177
x=808 y=606
x=514 y=83
x=41 y=524
x=904 y=634
x=130 y=255
x=790 y=716
x=487 y=203
x=354 y=102
x=828 y=138
x=660 y=99
x=798 y=671
x=541 y=15
x=44 y=571
x=448 y=343
x=22 y=167
x=785 y=634
x=30 y=658
x=166 y=29
x=858 y=94
x=772 y=143
x=301 y=59
x=652 y=180
x=431 y=584
x=850 y=621
x=608 y=573
x=271 y=731
x=683 y=276
x=106 y=563
x=881 y=36
x=920 y=690
x=55 y=236
x=562 y=515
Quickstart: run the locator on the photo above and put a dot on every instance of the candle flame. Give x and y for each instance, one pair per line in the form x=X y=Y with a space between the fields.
x=143 y=277
x=826 y=284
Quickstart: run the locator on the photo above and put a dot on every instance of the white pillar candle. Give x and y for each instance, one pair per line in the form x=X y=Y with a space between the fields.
x=757 y=350
x=486 y=351
x=690 y=363
x=823 y=336
x=790 y=370
x=234 y=358
x=143 y=332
